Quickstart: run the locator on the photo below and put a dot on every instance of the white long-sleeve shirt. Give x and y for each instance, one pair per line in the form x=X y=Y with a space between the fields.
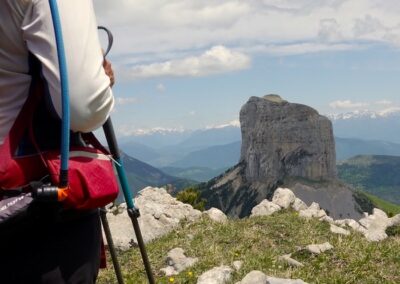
x=26 y=26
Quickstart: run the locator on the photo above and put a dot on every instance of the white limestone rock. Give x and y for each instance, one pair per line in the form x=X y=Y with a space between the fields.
x=356 y=226
x=299 y=204
x=177 y=261
x=351 y=223
x=217 y=275
x=289 y=260
x=216 y=215
x=274 y=280
x=340 y=222
x=395 y=220
x=237 y=265
x=283 y=197
x=376 y=225
x=258 y=277
x=327 y=219
x=314 y=211
x=254 y=277
x=160 y=213
x=338 y=230
x=319 y=248
x=265 y=208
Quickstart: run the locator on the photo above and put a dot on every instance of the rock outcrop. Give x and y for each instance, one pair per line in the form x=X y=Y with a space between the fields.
x=283 y=144
x=160 y=213
x=177 y=261
x=285 y=139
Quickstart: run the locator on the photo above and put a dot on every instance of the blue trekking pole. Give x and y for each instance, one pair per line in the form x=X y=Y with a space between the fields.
x=133 y=212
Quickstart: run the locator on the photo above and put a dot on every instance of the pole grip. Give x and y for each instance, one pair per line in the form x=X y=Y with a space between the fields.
x=111 y=140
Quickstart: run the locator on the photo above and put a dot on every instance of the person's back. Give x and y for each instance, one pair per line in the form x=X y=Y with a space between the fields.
x=26 y=27
x=52 y=246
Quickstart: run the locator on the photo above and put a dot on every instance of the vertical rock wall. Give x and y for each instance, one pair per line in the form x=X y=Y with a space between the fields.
x=282 y=139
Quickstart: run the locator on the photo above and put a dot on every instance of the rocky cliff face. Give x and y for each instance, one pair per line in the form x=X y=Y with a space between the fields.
x=284 y=139
x=282 y=144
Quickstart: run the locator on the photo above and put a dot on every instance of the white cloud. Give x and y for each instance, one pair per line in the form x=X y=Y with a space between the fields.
x=379 y=108
x=329 y=30
x=384 y=102
x=347 y=104
x=389 y=111
x=163 y=38
x=160 y=87
x=130 y=130
x=125 y=101
x=234 y=123
x=150 y=27
x=301 y=48
x=218 y=59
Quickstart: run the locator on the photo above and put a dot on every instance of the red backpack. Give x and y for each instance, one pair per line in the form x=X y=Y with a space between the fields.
x=92 y=182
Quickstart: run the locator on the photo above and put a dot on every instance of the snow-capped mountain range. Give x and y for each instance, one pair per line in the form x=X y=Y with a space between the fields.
x=361 y=114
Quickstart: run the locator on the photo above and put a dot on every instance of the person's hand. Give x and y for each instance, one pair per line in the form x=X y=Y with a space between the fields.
x=109 y=71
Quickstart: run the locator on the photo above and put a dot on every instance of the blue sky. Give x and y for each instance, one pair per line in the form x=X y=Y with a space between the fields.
x=187 y=64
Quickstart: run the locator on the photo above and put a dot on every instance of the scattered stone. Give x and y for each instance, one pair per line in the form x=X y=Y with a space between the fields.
x=338 y=230
x=292 y=262
x=216 y=215
x=351 y=223
x=217 y=275
x=376 y=225
x=314 y=211
x=190 y=237
x=265 y=208
x=356 y=226
x=298 y=205
x=327 y=219
x=395 y=220
x=273 y=280
x=237 y=264
x=340 y=222
x=177 y=261
x=283 y=197
x=317 y=249
x=254 y=277
x=160 y=213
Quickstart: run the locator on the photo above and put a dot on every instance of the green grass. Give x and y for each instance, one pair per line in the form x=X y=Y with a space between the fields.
x=258 y=242
x=388 y=207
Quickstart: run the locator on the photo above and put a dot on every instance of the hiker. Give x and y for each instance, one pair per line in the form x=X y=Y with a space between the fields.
x=49 y=245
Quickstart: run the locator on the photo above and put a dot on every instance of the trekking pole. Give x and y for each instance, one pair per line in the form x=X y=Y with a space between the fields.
x=133 y=212
x=103 y=211
x=111 y=246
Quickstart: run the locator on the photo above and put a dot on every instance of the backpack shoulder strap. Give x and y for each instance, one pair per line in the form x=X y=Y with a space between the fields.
x=21 y=124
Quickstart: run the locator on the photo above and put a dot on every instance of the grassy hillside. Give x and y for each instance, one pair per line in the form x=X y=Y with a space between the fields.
x=200 y=174
x=350 y=147
x=258 y=242
x=388 y=207
x=378 y=175
x=141 y=175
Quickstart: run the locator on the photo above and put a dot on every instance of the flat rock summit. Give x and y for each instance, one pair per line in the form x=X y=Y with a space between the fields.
x=283 y=144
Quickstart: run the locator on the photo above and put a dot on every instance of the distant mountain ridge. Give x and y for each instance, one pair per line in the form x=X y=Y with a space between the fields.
x=368 y=125
x=350 y=147
x=141 y=175
x=376 y=174
x=388 y=113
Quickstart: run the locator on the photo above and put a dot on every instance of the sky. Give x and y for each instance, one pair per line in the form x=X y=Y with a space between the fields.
x=191 y=64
